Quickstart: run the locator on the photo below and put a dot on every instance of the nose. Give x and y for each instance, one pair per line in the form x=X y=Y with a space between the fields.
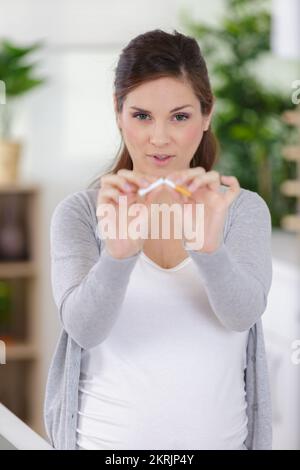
x=159 y=135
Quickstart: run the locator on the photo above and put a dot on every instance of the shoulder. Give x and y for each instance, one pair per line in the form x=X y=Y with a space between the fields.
x=247 y=199
x=249 y=208
x=82 y=202
x=77 y=206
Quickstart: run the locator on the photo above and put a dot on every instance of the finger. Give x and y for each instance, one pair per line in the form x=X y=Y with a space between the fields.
x=179 y=197
x=234 y=187
x=211 y=178
x=119 y=182
x=149 y=197
x=126 y=181
x=176 y=195
x=141 y=180
x=186 y=175
x=108 y=195
x=215 y=183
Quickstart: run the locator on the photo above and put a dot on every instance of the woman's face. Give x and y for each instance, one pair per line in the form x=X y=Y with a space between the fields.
x=150 y=126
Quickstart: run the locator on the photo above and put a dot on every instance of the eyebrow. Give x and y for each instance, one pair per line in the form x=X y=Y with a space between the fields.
x=172 y=110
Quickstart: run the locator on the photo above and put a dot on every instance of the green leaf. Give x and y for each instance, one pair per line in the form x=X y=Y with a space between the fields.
x=15 y=51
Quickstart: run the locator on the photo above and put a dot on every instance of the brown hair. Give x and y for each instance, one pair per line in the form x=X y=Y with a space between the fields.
x=157 y=54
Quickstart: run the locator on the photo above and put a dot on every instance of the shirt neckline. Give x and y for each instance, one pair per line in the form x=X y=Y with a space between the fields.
x=175 y=268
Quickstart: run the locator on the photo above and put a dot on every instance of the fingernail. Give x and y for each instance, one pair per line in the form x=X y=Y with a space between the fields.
x=127 y=186
x=191 y=187
x=178 y=180
x=144 y=182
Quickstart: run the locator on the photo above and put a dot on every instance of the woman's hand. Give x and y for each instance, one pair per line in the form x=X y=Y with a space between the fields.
x=113 y=186
x=205 y=186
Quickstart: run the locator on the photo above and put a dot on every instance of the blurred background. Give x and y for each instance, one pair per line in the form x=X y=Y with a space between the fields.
x=58 y=130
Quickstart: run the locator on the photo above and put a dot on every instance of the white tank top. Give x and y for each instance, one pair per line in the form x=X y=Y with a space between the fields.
x=169 y=375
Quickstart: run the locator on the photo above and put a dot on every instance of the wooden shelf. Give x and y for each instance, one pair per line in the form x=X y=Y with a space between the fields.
x=15 y=269
x=291 y=223
x=291 y=153
x=21 y=188
x=290 y=188
x=21 y=352
x=20 y=378
x=292 y=117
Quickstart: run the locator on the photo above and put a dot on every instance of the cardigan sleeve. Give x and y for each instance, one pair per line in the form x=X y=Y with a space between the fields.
x=88 y=284
x=238 y=275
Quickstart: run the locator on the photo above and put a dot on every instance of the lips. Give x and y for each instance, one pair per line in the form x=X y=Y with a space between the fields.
x=161 y=156
x=161 y=160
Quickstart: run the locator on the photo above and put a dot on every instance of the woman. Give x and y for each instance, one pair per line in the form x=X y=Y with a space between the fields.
x=162 y=344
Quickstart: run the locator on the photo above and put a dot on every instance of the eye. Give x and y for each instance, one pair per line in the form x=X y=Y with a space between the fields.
x=140 y=114
x=185 y=116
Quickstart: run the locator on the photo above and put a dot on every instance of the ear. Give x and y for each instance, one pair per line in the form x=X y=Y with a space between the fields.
x=208 y=118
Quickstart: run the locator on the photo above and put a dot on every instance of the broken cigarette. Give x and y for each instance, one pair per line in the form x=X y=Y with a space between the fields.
x=166 y=181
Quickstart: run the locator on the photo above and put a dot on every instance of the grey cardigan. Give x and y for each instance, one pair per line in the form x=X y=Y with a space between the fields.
x=89 y=286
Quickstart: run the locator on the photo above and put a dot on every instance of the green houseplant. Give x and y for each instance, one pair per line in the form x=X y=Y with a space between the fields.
x=16 y=76
x=248 y=113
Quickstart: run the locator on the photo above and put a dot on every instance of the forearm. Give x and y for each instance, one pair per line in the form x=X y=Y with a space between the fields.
x=89 y=310
x=236 y=295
